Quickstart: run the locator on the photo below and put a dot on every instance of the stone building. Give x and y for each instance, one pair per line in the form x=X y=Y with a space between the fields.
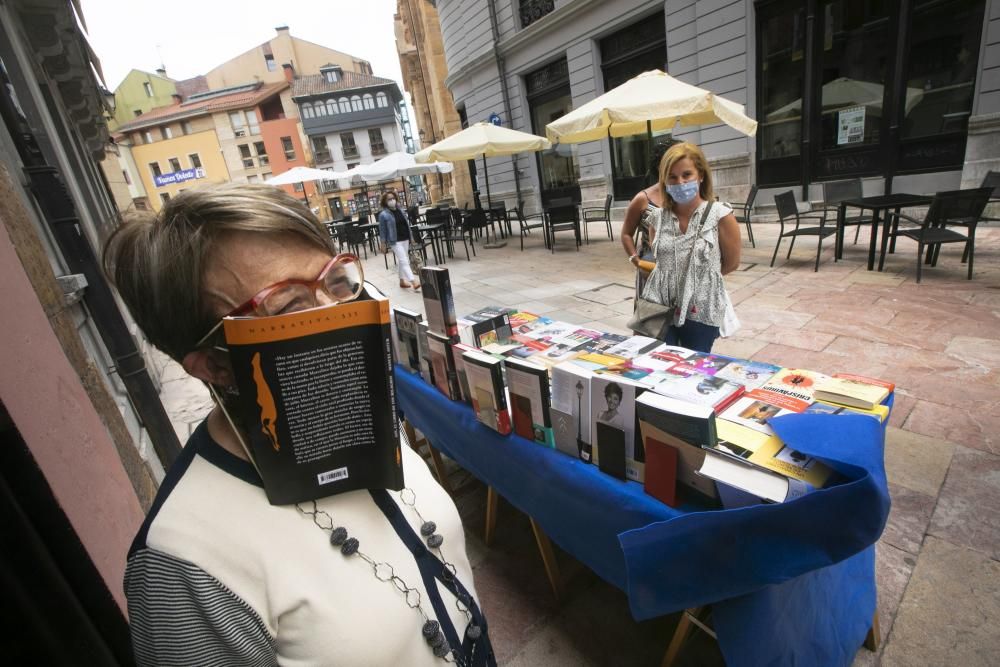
x=904 y=95
x=422 y=60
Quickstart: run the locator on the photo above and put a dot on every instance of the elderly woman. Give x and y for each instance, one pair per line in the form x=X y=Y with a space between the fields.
x=696 y=243
x=216 y=574
x=394 y=229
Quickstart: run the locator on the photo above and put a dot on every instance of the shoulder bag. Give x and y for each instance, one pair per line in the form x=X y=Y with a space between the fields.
x=652 y=318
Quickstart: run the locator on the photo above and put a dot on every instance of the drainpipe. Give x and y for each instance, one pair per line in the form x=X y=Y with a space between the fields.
x=59 y=213
x=502 y=73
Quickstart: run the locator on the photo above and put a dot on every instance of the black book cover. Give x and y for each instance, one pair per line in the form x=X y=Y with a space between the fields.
x=611 y=450
x=324 y=419
x=439 y=302
x=443 y=363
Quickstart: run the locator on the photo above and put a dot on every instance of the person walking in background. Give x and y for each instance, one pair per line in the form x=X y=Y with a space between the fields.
x=637 y=233
x=693 y=251
x=394 y=230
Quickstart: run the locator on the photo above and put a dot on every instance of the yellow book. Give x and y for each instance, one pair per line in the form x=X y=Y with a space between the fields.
x=853 y=391
x=879 y=412
x=770 y=453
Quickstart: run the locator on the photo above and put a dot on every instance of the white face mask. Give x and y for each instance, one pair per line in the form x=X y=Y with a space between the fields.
x=391 y=203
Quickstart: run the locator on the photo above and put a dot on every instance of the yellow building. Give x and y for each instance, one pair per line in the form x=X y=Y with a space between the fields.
x=138 y=93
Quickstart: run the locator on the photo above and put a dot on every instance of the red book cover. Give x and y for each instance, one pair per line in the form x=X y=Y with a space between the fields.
x=661 y=471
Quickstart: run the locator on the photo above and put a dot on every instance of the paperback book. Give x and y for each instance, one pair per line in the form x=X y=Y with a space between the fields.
x=753 y=413
x=424 y=351
x=571 y=398
x=489 y=394
x=790 y=388
x=750 y=374
x=687 y=428
x=856 y=391
x=407 y=337
x=770 y=453
x=459 y=349
x=320 y=408
x=751 y=479
x=634 y=346
x=701 y=362
x=613 y=421
x=706 y=390
x=879 y=412
x=530 y=401
x=439 y=303
x=443 y=363
x=487 y=326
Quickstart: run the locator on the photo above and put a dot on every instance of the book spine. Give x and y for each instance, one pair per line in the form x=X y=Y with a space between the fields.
x=500 y=392
x=390 y=386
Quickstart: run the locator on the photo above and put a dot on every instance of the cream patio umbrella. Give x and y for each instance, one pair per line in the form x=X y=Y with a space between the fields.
x=399 y=165
x=651 y=101
x=486 y=140
x=301 y=175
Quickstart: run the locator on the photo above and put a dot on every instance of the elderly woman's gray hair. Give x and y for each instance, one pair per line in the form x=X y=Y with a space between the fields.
x=158 y=262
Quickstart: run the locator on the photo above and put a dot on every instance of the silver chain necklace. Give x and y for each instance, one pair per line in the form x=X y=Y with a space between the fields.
x=384 y=572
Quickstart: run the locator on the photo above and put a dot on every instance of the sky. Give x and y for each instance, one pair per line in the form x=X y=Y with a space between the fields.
x=191 y=37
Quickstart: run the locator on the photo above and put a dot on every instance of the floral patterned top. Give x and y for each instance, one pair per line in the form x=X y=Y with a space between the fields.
x=701 y=295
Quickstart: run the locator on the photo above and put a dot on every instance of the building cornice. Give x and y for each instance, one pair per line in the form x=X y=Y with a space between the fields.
x=532 y=33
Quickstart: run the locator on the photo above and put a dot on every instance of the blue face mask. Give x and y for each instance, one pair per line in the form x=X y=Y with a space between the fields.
x=682 y=193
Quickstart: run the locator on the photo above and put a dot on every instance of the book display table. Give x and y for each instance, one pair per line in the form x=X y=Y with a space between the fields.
x=790 y=583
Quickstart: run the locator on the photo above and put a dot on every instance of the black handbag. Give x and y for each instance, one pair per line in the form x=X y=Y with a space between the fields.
x=651 y=318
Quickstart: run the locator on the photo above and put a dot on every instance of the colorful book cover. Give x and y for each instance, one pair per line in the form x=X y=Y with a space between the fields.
x=753 y=413
x=605 y=342
x=324 y=418
x=439 y=302
x=769 y=452
x=530 y=400
x=750 y=374
x=663 y=358
x=854 y=390
x=879 y=412
x=696 y=388
x=489 y=395
x=791 y=388
x=701 y=362
x=596 y=360
x=634 y=346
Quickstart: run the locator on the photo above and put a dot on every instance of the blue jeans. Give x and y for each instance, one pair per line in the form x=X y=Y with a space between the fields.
x=693 y=335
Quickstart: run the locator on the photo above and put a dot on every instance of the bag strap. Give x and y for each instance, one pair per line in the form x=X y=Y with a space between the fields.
x=701 y=223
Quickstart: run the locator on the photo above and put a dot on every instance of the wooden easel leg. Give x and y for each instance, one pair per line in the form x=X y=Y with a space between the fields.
x=548 y=559
x=680 y=634
x=874 y=636
x=491 y=515
x=439 y=469
x=411 y=436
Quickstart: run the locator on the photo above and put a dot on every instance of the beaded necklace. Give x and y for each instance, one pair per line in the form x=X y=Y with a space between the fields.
x=384 y=572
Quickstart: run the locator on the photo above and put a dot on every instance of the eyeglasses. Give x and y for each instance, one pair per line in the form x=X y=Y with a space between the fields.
x=341 y=280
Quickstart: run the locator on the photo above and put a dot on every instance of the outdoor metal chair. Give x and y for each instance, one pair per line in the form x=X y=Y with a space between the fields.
x=962 y=208
x=464 y=232
x=835 y=192
x=562 y=219
x=992 y=181
x=355 y=238
x=742 y=209
x=529 y=222
x=594 y=214
x=787 y=210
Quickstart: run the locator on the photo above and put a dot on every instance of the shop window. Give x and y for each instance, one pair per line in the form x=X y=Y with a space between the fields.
x=549 y=98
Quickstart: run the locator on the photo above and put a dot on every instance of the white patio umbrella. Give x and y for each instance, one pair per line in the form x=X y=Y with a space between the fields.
x=486 y=140
x=399 y=165
x=301 y=175
x=651 y=101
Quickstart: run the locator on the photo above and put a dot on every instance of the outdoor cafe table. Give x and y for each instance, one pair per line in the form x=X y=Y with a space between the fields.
x=789 y=583
x=433 y=231
x=879 y=205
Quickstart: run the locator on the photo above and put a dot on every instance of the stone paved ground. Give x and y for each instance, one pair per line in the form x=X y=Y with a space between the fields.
x=938 y=562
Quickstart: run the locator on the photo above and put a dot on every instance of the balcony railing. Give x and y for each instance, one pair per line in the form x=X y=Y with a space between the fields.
x=351 y=152
x=322 y=156
x=532 y=10
x=379 y=149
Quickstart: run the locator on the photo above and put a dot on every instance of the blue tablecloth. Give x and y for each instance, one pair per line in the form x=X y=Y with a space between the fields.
x=790 y=584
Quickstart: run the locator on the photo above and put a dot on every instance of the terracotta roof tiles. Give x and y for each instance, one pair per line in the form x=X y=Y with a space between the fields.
x=198 y=107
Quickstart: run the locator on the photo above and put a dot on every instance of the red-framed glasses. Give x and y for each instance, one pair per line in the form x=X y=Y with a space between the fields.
x=341 y=280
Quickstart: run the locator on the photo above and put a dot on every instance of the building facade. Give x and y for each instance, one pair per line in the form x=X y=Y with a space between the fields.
x=239 y=134
x=903 y=95
x=349 y=119
x=422 y=61
x=139 y=92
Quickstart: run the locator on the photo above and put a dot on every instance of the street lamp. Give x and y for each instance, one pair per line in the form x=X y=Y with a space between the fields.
x=579 y=419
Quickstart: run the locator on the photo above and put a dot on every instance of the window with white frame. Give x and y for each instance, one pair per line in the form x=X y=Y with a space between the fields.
x=166 y=133
x=259 y=148
x=148 y=88
x=237 y=123
x=369 y=101
x=148 y=136
x=345 y=105
x=307 y=110
x=356 y=103
x=175 y=164
x=382 y=99
x=269 y=62
x=331 y=107
x=195 y=160
x=154 y=168
x=252 y=124
x=288 y=147
x=246 y=156
x=320 y=109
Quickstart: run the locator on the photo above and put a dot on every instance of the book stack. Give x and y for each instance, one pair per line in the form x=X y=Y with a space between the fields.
x=639 y=409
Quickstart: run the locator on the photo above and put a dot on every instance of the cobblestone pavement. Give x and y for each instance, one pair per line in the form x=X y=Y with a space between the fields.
x=938 y=561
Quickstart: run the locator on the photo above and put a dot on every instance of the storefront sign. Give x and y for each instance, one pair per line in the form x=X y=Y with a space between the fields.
x=178 y=177
x=851 y=126
x=495 y=119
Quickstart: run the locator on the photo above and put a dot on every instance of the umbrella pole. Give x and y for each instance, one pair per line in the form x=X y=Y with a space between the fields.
x=649 y=141
x=305 y=195
x=406 y=194
x=489 y=203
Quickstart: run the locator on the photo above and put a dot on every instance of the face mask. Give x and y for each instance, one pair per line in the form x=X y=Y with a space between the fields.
x=682 y=193
x=391 y=203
